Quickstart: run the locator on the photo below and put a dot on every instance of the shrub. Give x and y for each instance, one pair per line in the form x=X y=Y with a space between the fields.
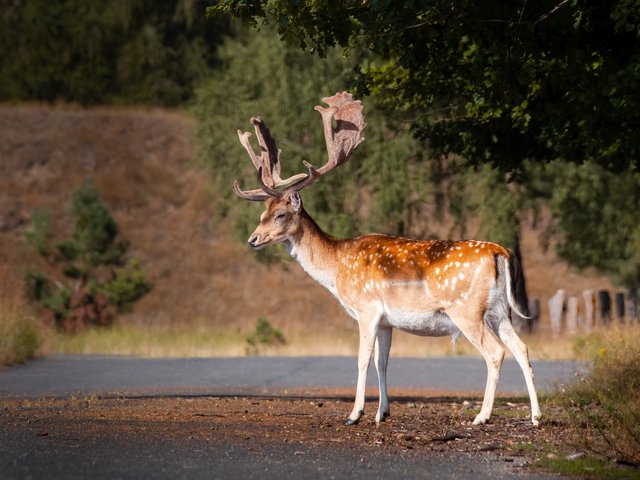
x=19 y=333
x=606 y=402
x=264 y=334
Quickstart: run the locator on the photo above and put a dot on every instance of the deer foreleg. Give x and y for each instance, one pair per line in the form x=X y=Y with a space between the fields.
x=368 y=332
x=382 y=347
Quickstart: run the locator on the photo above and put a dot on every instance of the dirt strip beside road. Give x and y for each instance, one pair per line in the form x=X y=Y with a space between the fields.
x=266 y=438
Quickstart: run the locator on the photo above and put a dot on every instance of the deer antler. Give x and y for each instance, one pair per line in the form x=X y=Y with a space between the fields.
x=340 y=141
x=267 y=164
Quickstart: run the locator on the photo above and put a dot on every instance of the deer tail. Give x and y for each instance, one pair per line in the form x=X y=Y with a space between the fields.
x=512 y=275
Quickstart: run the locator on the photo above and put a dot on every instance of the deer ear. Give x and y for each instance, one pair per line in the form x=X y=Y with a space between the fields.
x=296 y=201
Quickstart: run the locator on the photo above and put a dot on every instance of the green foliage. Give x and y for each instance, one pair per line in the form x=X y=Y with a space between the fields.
x=90 y=281
x=484 y=194
x=265 y=334
x=40 y=232
x=596 y=219
x=114 y=51
x=492 y=81
x=128 y=286
x=262 y=77
x=606 y=402
x=93 y=240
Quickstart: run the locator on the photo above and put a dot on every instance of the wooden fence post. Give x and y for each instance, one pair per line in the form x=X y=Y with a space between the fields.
x=632 y=305
x=556 y=308
x=620 y=306
x=604 y=306
x=589 y=307
x=572 y=315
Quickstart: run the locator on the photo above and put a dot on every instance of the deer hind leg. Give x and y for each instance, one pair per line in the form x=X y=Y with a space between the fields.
x=519 y=350
x=488 y=345
x=368 y=326
x=381 y=356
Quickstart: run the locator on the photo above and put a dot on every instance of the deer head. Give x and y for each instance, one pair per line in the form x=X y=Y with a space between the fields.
x=281 y=219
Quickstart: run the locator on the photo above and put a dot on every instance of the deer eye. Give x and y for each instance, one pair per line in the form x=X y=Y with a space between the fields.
x=280 y=216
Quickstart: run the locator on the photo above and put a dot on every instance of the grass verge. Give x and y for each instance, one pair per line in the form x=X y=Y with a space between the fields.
x=588 y=467
x=603 y=406
x=20 y=335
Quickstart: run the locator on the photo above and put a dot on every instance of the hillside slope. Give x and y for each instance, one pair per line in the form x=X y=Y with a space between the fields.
x=141 y=162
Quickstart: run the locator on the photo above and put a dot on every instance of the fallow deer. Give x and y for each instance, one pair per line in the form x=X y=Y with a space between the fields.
x=429 y=288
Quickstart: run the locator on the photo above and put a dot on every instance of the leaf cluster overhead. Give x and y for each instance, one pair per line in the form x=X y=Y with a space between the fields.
x=494 y=81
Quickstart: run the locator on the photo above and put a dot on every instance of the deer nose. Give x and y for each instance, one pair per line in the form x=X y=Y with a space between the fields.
x=253 y=240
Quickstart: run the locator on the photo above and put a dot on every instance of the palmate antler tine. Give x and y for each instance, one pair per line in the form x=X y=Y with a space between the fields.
x=327 y=118
x=347 y=134
x=244 y=140
x=342 y=139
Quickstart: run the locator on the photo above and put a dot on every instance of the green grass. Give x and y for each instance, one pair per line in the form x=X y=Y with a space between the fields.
x=587 y=467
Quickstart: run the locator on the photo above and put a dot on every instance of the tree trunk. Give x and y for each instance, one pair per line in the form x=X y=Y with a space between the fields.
x=632 y=305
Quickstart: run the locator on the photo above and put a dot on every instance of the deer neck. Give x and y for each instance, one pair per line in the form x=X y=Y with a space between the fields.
x=315 y=251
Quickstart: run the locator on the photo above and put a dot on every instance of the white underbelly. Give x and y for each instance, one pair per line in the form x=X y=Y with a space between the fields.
x=430 y=324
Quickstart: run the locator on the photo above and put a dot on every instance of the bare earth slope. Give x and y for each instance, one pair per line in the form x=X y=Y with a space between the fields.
x=142 y=163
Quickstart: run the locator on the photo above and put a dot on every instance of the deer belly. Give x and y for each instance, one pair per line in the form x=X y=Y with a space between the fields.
x=430 y=324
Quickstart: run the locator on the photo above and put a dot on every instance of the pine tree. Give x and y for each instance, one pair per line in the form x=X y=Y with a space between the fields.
x=93 y=280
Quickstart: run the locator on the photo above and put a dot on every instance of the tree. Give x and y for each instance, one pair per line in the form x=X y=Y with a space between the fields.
x=93 y=241
x=113 y=51
x=91 y=278
x=493 y=81
x=508 y=84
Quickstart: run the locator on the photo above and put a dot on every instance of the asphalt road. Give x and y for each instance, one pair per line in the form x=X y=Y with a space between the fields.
x=115 y=451
x=61 y=376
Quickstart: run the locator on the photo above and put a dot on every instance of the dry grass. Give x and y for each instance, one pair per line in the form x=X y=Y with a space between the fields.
x=20 y=334
x=132 y=340
x=207 y=341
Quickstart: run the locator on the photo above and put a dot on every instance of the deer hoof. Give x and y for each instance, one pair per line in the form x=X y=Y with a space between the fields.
x=480 y=420
x=536 y=420
x=352 y=421
x=382 y=417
